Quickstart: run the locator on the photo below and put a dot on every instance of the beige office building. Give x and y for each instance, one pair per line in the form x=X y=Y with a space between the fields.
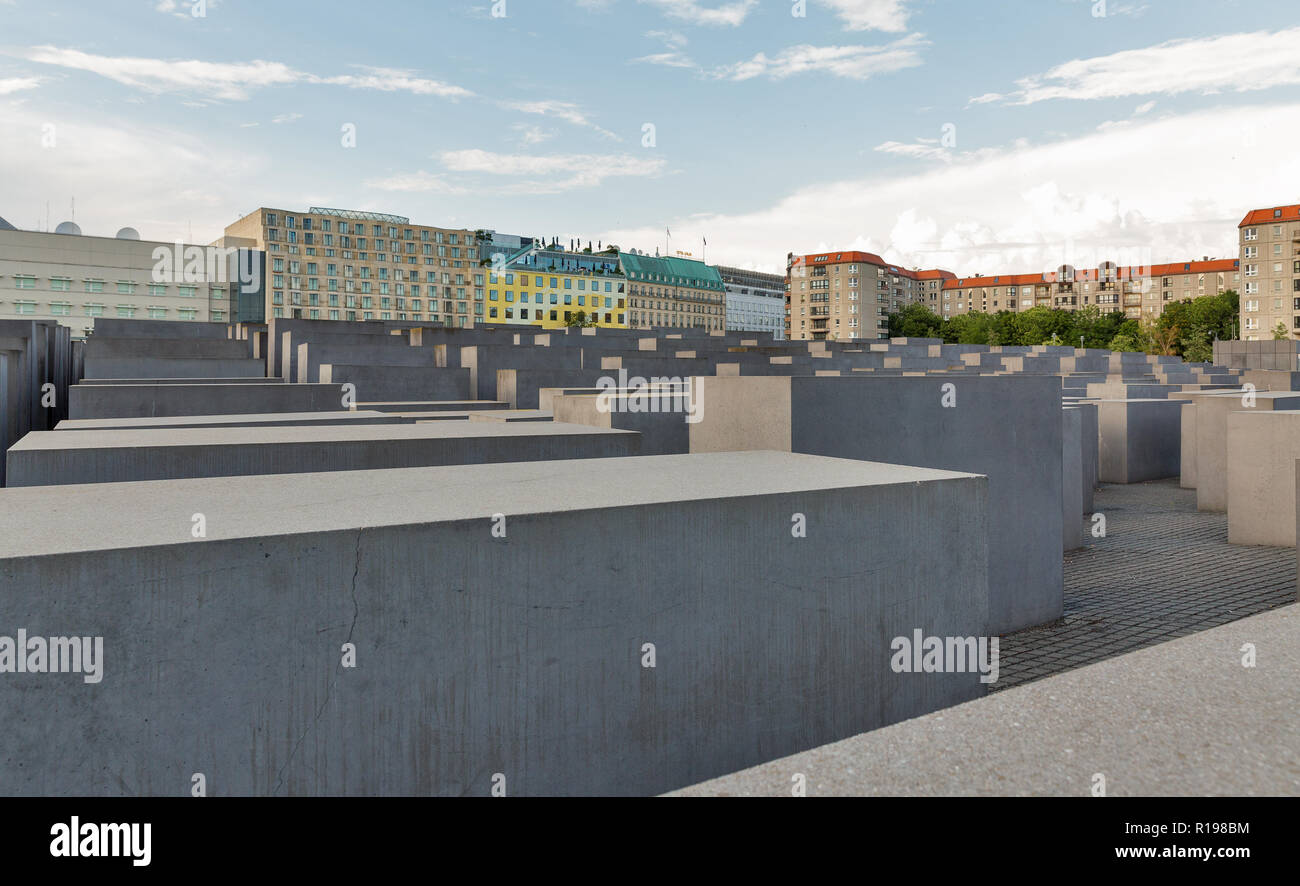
x=75 y=279
x=1139 y=292
x=845 y=296
x=1270 y=270
x=333 y=264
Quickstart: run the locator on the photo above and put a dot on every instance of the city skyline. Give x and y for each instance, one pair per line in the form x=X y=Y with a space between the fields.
x=907 y=139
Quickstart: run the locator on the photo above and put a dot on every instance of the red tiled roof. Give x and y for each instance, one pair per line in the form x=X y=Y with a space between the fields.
x=1092 y=275
x=870 y=258
x=1263 y=216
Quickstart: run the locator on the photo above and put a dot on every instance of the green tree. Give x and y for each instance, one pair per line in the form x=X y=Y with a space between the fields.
x=915 y=321
x=1280 y=332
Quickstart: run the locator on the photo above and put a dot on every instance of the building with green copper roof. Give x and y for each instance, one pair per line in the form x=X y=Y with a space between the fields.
x=673 y=292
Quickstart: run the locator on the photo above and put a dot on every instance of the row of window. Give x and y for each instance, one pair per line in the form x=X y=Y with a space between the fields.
x=291 y=222
x=64 y=309
x=124 y=287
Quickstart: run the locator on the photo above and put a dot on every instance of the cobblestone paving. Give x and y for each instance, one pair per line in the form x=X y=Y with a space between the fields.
x=1163 y=571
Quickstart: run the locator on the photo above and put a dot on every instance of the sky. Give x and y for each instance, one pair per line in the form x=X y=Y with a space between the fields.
x=979 y=136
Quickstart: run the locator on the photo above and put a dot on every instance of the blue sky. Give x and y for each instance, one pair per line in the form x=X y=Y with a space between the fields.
x=977 y=136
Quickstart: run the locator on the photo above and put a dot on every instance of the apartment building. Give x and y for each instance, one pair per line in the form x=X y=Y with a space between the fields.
x=849 y=295
x=1138 y=292
x=673 y=292
x=552 y=287
x=74 y=279
x=336 y=264
x=755 y=301
x=1270 y=270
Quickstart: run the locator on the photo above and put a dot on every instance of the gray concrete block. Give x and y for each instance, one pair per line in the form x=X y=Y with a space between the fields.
x=473 y=655
x=1139 y=440
x=275 y=419
x=1262 y=448
x=1008 y=428
x=1072 y=479
x=172 y=367
x=1212 y=439
x=115 y=456
x=135 y=401
x=377 y=383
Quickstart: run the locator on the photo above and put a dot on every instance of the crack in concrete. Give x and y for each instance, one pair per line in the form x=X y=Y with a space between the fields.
x=329 y=690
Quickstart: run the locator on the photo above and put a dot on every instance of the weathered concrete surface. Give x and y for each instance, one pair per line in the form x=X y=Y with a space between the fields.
x=60 y=458
x=1007 y=428
x=1072 y=479
x=1212 y=439
x=135 y=401
x=399 y=382
x=1139 y=440
x=172 y=367
x=660 y=419
x=1089 y=446
x=1187 y=462
x=1183 y=718
x=274 y=419
x=1262 y=450
x=473 y=655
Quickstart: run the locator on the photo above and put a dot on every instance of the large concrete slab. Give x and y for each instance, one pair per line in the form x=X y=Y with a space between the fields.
x=274 y=419
x=1138 y=440
x=478 y=654
x=117 y=456
x=1183 y=718
x=1262 y=449
x=135 y=401
x=1008 y=428
x=399 y=382
x=1212 y=439
x=1072 y=479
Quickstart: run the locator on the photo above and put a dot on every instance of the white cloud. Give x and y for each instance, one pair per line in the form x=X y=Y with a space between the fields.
x=14 y=84
x=219 y=80
x=417 y=182
x=851 y=62
x=230 y=81
x=729 y=14
x=557 y=172
x=394 y=80
x=286 y=118
x=188 y=180
x=532 y=135
x=566 y=111
x=1207 y=65
x=870 y=15
x=1135 y=194
x=1144 y=108
x=919 y=150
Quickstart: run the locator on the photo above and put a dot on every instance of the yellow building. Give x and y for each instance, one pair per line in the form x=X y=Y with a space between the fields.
x=553 y=288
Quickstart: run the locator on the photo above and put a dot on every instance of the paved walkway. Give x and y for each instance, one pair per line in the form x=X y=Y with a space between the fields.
x=1163 y=571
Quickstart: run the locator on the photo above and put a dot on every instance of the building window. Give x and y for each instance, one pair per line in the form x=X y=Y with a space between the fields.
x=25 y=307
x=93 y=310
x=23 y=281
x=188 y=314
x=60 y=308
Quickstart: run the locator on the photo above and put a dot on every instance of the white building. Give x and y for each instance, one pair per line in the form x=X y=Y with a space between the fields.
x=74 y=279
x=755 y=301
